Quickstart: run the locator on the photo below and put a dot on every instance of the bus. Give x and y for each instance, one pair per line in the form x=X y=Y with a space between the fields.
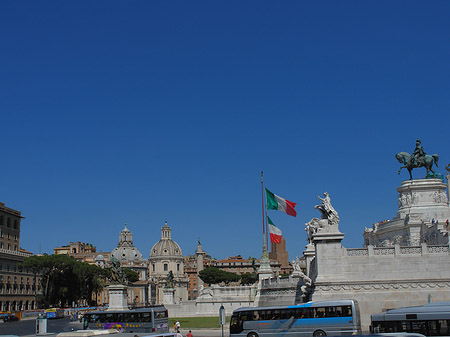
x=54 y=313
x=432 y=319
x=152 y=319
x=332 y=318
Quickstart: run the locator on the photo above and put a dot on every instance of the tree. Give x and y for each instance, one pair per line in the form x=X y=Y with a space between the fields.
x=248 y=278
x=64 y=280
x=214 y=275
x=131 y=275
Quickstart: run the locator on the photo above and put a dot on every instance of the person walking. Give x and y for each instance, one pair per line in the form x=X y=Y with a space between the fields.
x=189 y=334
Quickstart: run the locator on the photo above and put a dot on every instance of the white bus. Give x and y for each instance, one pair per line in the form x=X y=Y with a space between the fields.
x=327 y=318
x=152 y=319
x=432 y=319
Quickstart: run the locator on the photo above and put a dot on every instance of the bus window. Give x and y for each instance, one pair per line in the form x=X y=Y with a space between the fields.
x=347 y=311
x=246 y=316
x=146 y=317
x=161 y=314
x=319 y=312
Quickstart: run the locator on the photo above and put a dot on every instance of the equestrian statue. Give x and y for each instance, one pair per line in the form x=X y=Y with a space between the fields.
x=417 y=159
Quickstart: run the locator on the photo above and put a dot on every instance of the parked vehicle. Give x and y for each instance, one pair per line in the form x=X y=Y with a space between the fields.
x=432 y=319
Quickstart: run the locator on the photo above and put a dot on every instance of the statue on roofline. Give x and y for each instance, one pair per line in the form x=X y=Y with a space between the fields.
x=329 y=221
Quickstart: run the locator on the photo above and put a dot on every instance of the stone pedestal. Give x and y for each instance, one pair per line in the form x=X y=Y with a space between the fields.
x=422 y=214
x=265 y=270
x=309 y=253
x=118 y=297
x=168 y=296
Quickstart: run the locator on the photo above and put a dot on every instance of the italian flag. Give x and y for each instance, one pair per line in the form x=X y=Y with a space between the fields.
x=275 y=232
x=280 y=204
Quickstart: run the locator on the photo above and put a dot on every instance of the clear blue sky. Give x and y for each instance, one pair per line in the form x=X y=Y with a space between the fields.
x=138 y=112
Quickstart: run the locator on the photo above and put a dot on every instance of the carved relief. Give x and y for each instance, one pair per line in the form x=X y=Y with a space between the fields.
x=382 y=286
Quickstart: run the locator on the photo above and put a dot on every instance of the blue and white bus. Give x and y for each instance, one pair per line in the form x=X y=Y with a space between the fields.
x=432 y=319
x=327 y=318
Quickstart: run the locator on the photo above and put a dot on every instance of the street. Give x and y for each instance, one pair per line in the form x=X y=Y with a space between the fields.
x=27 y=328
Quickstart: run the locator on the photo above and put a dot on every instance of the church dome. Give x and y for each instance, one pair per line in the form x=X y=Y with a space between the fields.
x=166 y=247
x=125 y=251
x=100 y=258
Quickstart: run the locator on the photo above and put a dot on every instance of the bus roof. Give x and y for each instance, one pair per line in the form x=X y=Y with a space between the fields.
x=146 y=309
x=303 y=305
x=427 y=308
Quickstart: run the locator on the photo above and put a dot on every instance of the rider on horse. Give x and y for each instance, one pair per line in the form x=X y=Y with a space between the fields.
x=418 y=156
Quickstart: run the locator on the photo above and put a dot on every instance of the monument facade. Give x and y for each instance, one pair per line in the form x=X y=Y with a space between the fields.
x=404 y=262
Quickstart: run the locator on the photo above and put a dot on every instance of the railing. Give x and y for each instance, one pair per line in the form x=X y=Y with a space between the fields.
x=396 y=250
x=12 y=252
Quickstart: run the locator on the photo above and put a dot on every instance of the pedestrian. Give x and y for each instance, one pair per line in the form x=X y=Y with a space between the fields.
x=177 y=324
x=189 y=334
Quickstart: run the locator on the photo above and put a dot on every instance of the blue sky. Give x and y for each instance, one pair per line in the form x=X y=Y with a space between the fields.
x=138 y=112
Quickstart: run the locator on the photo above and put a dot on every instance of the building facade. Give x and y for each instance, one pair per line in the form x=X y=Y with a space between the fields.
x=165 y=257
x=130 y=257
x=18 y=288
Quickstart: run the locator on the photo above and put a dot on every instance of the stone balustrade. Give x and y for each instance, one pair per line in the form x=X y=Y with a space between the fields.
x=12 y=252
x=397 y=250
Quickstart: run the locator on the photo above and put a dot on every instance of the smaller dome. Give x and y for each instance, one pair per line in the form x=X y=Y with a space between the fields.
x=166 y=246
x=100 y=258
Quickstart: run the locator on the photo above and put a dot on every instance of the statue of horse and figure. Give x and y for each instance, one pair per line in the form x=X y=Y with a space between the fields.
x=417 y=159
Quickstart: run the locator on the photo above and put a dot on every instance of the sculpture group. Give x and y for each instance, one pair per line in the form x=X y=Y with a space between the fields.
x=329 y=221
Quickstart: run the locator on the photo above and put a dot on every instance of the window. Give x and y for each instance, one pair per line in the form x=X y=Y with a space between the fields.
x=165 y=266
x=178 y=267
x=8 y=222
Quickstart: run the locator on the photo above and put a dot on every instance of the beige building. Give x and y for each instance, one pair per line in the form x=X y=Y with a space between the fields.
x=166 y=256
x=193 y=264
x=18 y=288
x=239 y=265
x=130 y=257
x=83 y=252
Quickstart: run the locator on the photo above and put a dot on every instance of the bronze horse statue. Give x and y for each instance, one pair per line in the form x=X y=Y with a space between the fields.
x=411 y=163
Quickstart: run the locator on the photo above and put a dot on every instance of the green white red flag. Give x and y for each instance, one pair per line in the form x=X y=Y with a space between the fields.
x=276 y=202
x=275 y=232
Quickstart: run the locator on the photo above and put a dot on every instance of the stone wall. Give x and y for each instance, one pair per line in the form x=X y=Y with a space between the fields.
x=280 y=291
x=382 y=278
x=211 y=298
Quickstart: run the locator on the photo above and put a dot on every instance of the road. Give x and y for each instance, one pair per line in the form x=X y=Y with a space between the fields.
x=27 y=328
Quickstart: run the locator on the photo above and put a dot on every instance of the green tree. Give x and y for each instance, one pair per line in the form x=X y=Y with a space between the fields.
x=64 y=280
x=131 y=275
x=214 y=275
x=248 y=278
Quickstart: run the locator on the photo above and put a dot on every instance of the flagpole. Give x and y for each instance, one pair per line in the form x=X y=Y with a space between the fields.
x=263 y=209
